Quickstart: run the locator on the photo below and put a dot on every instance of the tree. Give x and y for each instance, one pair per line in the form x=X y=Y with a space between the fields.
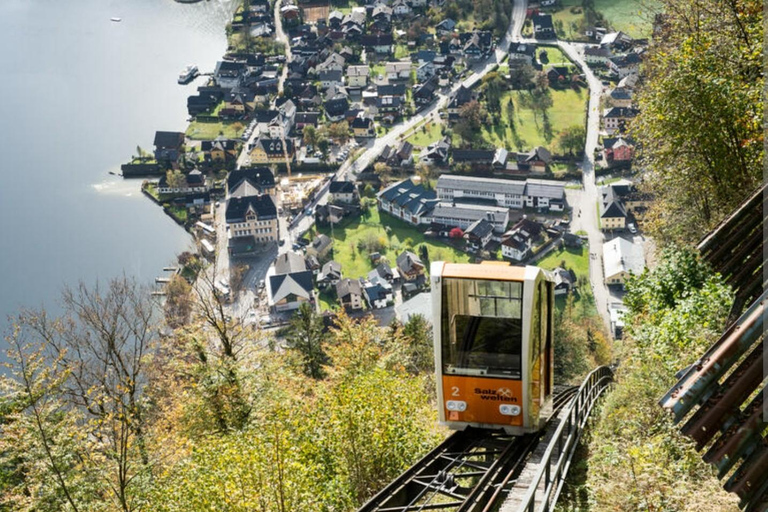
x=339 y=132
x=473 y=117
x=178 y=302
x=571 y=140
x=310 y=135
x=522 y=75
x=382 y=169
x=175 y=179
x=307 y=338
x=456 y=233
x=541 y=81
x=494 y=86
x=324 y=146
x=96 y=360
x=701 y=111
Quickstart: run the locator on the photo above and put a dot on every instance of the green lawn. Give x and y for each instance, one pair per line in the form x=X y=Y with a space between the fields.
x=633 y=17
x=378 y=70
x=401 y=51
x=355 y=263
x=208 y=131
x=327 y=299
x=555 y=56
x=568 y=109
x=575 y=259
x=578 y=261
x=426 y=134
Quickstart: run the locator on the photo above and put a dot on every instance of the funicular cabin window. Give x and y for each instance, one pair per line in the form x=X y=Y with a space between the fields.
x=482 y=327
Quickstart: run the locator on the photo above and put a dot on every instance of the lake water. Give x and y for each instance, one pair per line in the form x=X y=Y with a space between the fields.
x=78 y=93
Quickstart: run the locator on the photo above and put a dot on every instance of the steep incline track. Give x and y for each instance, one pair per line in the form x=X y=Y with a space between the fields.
x=462 y=474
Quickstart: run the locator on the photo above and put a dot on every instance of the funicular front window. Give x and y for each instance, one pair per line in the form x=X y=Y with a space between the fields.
x=481 y=327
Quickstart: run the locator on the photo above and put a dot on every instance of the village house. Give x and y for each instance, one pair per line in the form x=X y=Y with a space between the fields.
x=479 y=234
x=424 y=94
x=377 y=291
x=250 y=182
x=193 y=182
x=219 y=150
x=320 y=246
x=613 y=214
x=400 y=70
x=564 y=281
x=517 y=243
x=617 y=118
x=350 y=294
x=229 y=74
x=408 y=201
x=379 y=44
x=343 y=192
x=329 y=275
x=597 y=56
x=251 y=221
x=267 y=151
x=625 y=65
x=410 y=266
x=445 y=27
x=168 y=146
x=620 y=97
x=621 y=258
x=618 y=150
x=357 y=76
x=543 y=27
x=289 y=283
x=522 y=52
x=363 y=126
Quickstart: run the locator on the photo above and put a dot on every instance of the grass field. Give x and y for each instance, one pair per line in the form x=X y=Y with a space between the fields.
x=575 y=259
x=555 y=56
x=568 y=109
x=198 y=130
x=578 y=261
x=355 y=263
x=633 y=17
x=426 y=134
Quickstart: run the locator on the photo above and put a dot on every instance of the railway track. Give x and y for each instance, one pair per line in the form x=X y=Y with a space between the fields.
x=466 y=472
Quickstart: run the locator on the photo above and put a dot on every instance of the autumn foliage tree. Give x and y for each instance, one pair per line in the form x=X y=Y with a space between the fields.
x=701 y=114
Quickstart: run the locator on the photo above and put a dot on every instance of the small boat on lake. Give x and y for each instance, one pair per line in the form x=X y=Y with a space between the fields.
x=189 y=73
x=116 y=20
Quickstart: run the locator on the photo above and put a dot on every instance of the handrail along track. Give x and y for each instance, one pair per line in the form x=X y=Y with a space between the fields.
x=556 y=461
x=472 y=469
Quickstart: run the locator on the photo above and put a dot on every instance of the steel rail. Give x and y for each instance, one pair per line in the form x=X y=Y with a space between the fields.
x=487 y=458
x=557 y=458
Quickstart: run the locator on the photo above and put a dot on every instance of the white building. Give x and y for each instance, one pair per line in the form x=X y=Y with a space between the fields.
x=620 y=259
x=507 y=193
x=462 y=215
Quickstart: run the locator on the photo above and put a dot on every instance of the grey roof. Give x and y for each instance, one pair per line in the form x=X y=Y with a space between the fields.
x=453 y=181
x=563 y=276
x=470 y=212
x=298 y=283
x=290 y=262
x=341 y=187
x=480 y=228
x=262 y=205
x=410 y=196
x=331 y=267
x=348 y=286
x=544 y=188
x=622 y=255
x=407 y=260
x=321 y=242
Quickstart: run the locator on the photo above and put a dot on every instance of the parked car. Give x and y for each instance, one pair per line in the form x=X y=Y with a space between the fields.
x=632 y=228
